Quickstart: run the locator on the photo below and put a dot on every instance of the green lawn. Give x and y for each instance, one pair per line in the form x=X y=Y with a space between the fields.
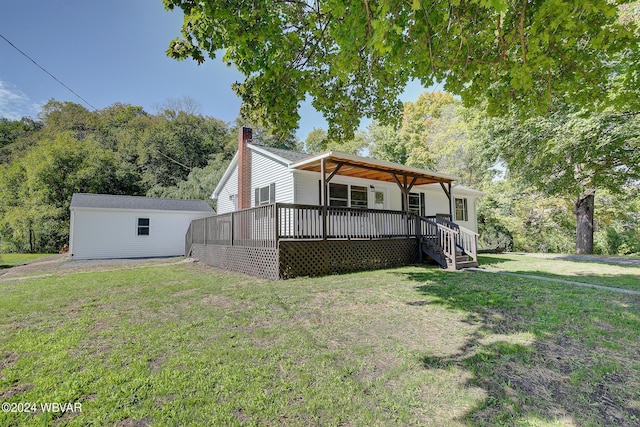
x=188 y=345
x=617 y=276
x=10 y=260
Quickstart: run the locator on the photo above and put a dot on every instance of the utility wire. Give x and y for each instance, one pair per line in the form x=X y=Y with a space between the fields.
x=52 y=76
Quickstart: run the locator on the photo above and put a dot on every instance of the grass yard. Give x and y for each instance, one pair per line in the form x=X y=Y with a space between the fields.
x=554 y=266
x=189 y=345
x=11 y=260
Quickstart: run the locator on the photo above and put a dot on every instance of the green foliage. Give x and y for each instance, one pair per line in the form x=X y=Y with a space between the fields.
x=198 y=184
x=118 y=150
x=386 y=143
x=522 y=216
x=570 y=153
x=437 y=133
x=354 y=59
x=168 y=151
x=318 y=141
x=618 y=222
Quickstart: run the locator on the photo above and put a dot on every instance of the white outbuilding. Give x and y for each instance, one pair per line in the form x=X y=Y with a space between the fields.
x=110 y=226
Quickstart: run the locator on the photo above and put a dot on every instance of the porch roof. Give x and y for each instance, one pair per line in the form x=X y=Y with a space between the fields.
x=363 y=167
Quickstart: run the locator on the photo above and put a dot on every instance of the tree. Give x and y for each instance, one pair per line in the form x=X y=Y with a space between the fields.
x=199 y=184
x=355 y=58
x=318 y=141
x=437 y=133
x=572 y=155
x=14 y=133
x=171 y=148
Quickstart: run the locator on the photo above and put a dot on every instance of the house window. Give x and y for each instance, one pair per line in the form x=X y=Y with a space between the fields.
x=359 y=197
x=461 y=210
x=338 y=195
x=344 y=195
x=265 y=195
x=143 y=226
x=416 y=203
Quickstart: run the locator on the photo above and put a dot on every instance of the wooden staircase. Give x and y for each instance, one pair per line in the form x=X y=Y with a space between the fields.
x=453 y=247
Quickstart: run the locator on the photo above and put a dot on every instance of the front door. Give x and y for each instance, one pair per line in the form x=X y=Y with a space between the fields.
x=379 y=200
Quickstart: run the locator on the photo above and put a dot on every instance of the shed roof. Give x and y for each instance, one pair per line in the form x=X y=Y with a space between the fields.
x=110 y=201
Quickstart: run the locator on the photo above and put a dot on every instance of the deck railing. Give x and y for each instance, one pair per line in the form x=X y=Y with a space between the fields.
x=263 y=226
x=306 y=222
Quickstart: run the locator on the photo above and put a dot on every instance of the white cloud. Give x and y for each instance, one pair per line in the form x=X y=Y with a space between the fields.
x=14 y=104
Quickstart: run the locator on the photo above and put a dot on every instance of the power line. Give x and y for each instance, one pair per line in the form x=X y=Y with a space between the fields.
x=43 y=69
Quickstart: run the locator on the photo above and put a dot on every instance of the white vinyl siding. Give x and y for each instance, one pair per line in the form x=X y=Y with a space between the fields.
x=307 y=189
x=113 y=233
x=266 y=171
x=228 y=196
x=437 y=203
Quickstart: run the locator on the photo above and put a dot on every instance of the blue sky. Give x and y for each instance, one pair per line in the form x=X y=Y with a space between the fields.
x=112 y=51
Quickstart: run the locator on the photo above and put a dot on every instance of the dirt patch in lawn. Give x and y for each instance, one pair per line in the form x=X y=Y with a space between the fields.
x=14 y=390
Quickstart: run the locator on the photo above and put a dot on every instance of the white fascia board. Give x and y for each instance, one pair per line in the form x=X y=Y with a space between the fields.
x=225 y=177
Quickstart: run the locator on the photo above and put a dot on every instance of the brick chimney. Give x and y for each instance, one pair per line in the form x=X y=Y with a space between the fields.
x=244 y=169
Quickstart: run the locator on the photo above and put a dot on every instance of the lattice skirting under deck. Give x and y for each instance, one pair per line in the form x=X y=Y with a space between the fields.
x=314 y=258
x=260 y=262
x=310 y=258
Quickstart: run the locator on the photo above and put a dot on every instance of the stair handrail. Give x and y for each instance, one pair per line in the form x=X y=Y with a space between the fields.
x=444 y=237
x=453 y=236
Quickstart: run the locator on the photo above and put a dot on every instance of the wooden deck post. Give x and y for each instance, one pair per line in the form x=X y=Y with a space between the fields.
x=277 y=224
x=323 y=197
x=233 y=214
x=451 y=203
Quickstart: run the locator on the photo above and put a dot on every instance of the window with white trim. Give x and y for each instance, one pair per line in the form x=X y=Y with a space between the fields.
x=359 y=197
x=338 y=195
x=143 y=226
x=416 y=203
x=265 y=195
x=345 y=195
x=462 y=213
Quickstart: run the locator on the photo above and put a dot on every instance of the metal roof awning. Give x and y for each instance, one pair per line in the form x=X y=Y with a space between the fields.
x=338 y=163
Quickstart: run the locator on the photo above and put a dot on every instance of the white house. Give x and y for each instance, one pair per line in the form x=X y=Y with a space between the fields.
x=109 y=226
x=274 y=175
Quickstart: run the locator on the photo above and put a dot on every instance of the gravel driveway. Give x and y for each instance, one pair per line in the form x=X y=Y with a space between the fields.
x=62 y=263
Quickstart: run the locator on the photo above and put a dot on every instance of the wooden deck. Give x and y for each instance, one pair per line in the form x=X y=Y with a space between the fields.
x=287 y=240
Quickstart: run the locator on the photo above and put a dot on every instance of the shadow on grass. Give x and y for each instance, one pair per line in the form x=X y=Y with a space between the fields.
x=491 y=260
x=530 y=352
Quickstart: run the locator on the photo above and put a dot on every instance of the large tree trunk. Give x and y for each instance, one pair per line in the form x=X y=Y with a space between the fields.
x=584 y=222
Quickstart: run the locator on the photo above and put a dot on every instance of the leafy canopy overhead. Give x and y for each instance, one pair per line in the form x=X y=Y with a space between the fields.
x=354 y=58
